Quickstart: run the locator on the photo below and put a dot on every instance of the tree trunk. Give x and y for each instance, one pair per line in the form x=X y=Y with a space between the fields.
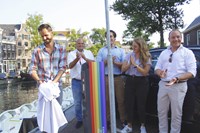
x=161 y=38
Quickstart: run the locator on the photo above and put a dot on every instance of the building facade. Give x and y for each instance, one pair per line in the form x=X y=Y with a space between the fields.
x=15 y=44
x=192 y=33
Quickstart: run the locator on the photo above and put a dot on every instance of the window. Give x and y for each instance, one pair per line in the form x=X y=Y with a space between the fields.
x=13 y=47
x=19 y=52
x=19 y=43
x=9 y=56
x=26 y=44
x=4 y=55
x=4 y=47
x=13 y=55
x=198 y=37
x=8 y=47
x=26 y=37
x=187 y=39
x=24 y=63
x=19 y=36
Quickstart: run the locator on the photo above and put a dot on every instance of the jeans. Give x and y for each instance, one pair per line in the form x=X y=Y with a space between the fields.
x=77 y=95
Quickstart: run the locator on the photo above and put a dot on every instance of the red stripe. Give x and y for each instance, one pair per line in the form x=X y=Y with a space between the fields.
x=91 y=97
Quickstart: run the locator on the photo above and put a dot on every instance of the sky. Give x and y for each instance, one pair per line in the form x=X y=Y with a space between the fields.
x=78 y=14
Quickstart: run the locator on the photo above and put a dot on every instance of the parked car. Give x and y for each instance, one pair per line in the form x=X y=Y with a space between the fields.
x=3 y=76
x=12 y=74
x=191 y=107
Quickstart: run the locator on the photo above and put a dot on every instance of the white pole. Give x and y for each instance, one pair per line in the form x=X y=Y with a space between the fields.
x=110 y=74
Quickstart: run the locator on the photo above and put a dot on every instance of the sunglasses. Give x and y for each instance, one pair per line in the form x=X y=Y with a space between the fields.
x=170 y=57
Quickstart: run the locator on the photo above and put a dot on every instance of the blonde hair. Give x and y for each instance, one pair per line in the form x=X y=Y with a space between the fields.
x=143 y=49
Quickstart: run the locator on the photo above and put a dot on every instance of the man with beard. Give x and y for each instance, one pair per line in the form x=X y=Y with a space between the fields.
x=48 y=61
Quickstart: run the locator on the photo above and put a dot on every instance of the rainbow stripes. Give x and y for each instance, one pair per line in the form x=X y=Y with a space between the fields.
x=97 y=97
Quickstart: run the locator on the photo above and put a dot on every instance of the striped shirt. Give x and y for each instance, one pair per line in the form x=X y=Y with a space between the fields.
x=48 y=65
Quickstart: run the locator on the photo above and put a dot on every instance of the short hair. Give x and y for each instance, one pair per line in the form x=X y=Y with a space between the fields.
x=114 y=33
x=44 y=26
x=175 y=30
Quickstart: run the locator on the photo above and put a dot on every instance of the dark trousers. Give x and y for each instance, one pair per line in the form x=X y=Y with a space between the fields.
x=136 y=90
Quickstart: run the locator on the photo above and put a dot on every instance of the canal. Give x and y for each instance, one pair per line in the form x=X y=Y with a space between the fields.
x=14 y=93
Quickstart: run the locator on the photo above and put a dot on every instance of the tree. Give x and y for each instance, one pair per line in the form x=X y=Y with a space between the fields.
x=151 y=16
x=32 y=24
x=73 y=36
x=95 y=48
x=98 y=36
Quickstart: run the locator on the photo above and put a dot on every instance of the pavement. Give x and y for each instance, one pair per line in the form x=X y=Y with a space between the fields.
x=151 y=125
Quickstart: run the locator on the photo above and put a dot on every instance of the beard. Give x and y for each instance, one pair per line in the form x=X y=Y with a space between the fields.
x=47 y=41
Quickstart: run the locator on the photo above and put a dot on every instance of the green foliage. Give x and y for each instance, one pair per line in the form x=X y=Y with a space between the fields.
x=98 y=36
x=95 y=48
x=150 y=16
x=32 y=24
x=73 y=36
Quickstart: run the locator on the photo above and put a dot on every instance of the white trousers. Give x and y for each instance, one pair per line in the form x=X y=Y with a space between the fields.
x=170 y=95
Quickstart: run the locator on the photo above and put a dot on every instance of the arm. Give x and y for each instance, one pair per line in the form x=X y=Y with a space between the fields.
x=144 y=71
x=35 y=76
x=62 y=66
x=89 y=55
x=118 y=64
x=73 y=63
x=121 y=58
x=125 y=66
x=58 y=76
x=33 y=67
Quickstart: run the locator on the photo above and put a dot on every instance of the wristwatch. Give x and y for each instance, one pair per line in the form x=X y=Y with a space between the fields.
x=177 y=79
x=38 y=81
x=136 y=66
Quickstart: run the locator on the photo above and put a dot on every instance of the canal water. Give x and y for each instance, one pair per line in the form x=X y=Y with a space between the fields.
x=14 y=93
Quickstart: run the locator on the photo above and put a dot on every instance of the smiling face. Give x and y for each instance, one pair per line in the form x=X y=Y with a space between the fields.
x=80 y=45
x=47 y=36
x=112 y=39
x=136 y=47
x=175 y=38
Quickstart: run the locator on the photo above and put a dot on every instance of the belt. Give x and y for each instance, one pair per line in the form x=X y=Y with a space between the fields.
x=176 y=82
x=115 y=75
x=137 y=77
x=76 y=79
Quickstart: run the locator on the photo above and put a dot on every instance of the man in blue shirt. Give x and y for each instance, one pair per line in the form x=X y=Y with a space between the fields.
x=118 y=55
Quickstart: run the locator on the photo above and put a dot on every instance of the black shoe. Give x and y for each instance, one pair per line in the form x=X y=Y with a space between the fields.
x=124 y=123
x=79 y=124
x=108 y=125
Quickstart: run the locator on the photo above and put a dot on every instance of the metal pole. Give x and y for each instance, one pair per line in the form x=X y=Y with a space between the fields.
x=110 y=74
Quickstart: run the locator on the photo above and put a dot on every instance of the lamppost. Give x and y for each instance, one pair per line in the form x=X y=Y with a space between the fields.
x=1 y=59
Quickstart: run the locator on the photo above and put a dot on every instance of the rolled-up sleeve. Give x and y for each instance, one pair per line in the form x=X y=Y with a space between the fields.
x=34 y=62
x=99 y=56
x=63 y=59
x=191 y=63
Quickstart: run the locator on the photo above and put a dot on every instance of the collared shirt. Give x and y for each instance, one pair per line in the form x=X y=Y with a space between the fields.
x=75 y=72
x=119 y=53
x=183 y=60
x=133 y=71
x=48 y=65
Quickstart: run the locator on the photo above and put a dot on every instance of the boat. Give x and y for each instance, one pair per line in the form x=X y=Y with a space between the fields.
x=13 y=120
x=25 y=76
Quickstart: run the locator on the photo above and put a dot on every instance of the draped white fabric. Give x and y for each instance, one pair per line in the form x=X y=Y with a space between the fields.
x=49 y=114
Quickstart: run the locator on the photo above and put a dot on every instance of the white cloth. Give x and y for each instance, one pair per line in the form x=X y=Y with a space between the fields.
x=49 y=113
x=75 y=72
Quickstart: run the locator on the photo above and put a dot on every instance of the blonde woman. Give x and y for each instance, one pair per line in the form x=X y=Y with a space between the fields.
x=136 y=65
